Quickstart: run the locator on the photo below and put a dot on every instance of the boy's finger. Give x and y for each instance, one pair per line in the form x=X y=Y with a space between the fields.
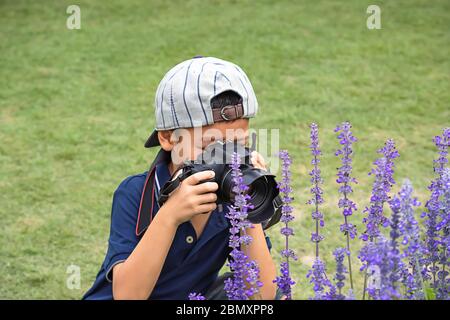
x=258 y=160
x=206 y=208
x=199 y=176
x=207 y=198
x=206 y=187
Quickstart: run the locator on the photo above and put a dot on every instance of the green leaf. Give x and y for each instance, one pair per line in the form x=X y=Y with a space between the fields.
x=430 y=294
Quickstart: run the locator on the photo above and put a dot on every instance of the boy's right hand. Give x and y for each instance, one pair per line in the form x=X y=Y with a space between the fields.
x=191 y=198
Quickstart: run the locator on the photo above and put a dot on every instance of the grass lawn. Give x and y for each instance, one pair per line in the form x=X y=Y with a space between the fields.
x=77 y=105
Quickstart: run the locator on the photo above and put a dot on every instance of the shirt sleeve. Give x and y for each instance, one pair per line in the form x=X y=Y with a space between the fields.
x=122 y=239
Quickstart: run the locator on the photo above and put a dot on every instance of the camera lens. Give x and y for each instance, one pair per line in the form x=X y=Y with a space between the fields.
x=258 y=192
x=262 y=190
x=262 y=185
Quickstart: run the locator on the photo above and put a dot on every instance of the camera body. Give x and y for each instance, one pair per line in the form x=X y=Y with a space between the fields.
x=263 y=190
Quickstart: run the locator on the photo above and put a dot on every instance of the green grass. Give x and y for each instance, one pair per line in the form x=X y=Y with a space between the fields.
x=76 y=108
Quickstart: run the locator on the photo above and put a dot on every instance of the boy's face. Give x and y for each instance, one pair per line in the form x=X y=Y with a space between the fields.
x=189 y=143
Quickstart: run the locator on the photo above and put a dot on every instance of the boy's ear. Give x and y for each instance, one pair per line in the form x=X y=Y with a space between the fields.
x=166 y=139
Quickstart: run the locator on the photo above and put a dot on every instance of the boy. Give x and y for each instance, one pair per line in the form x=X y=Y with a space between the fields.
x=169 y=252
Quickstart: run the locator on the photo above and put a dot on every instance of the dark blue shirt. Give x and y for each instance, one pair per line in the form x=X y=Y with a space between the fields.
x=191 y=265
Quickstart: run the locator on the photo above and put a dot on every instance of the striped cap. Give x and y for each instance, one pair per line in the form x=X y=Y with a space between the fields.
x=184 y=94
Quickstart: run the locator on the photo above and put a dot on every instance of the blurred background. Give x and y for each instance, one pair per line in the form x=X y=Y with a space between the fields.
x=76 y=107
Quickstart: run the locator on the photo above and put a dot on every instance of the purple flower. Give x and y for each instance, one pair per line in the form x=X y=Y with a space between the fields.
x=432 y=235
x=284 y=281
x=445 y=221
x=383 y=172
x=436 y=220
x=344 y=178
x=339 y=277
x=350 y=295
x=394 y=254
x=317 y=273
x=316 y=237
x=444 y=281
x=348 y=228
x=316 y=190
x=196 y=296
x=318 y=278
x=445 y=212
x=409 y=233
x=245 y=280
x=442 y=143
x=381 y=269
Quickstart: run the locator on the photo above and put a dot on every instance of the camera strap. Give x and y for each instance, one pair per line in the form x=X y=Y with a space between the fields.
x=172 y=184
x=145 y=213
x=277 y=205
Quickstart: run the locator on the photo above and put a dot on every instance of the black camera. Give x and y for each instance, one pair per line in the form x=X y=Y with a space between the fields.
x=263 y=190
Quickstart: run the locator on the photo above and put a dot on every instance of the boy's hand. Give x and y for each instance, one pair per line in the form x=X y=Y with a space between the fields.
x=258 y=161
x=191 y=198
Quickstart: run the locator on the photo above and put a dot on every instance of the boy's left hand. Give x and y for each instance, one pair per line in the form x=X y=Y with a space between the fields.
x=258 y=160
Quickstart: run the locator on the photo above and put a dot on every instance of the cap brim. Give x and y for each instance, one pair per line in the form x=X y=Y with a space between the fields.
x=153 y=140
